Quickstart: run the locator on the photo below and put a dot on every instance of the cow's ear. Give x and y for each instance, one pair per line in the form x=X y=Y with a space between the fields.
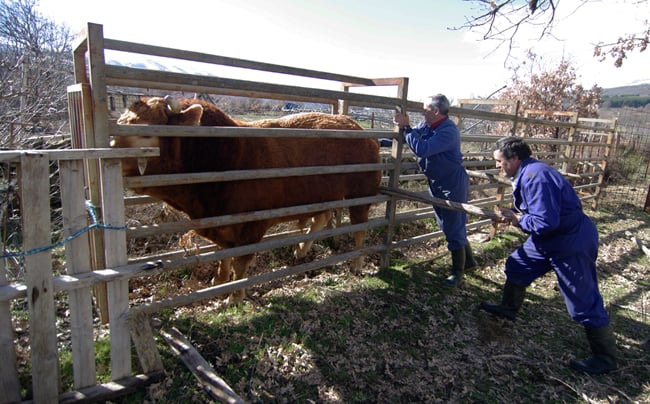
x=191 y=116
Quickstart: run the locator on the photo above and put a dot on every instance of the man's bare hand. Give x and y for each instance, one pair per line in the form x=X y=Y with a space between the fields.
x=508 y=216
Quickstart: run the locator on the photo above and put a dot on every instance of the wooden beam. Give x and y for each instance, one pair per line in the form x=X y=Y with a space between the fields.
x=442 y=203
x=214 y=385
x=112 y=390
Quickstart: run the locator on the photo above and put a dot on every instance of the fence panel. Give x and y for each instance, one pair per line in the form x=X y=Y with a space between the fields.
x=627 y=179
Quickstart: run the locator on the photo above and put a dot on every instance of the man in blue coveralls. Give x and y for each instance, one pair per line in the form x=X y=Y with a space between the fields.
x=562 y=238
x=436 y=143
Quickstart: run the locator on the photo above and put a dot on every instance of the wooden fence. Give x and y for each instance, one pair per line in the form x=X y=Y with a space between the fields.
x=96 y=246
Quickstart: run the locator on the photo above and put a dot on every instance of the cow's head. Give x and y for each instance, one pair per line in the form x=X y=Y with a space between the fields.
x=153 y=111
x=161 y=111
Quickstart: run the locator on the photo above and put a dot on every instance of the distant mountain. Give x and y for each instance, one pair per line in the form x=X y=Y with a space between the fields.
x=642 y=90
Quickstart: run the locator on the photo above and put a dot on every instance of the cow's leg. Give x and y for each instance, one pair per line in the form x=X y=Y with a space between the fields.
x=301 y=224
x=359 y=214
x=240 y=266
x=319 y=222
x=223 y=273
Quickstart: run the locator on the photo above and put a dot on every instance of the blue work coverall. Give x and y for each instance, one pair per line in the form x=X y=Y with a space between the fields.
x=440 y=159
x=561 y=238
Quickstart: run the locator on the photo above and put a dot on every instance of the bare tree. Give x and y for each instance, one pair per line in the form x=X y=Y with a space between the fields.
x=35 y=70
x=554 y=89
x=501 y=22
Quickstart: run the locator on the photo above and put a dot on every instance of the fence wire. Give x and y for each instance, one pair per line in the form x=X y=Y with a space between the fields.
x=627 y=179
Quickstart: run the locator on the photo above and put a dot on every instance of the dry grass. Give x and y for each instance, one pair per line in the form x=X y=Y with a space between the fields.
x=396 y=335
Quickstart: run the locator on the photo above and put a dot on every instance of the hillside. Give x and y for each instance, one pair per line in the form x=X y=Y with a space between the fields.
x=636 y=90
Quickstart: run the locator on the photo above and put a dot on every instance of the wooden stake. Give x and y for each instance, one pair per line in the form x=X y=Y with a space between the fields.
x=442 y=203
x=214 y=385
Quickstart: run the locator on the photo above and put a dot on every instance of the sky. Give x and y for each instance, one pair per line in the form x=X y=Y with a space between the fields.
x=369 y=38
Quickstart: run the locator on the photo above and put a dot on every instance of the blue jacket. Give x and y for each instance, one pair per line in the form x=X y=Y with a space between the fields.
x=440 y=159
x=438 y=149
x=549 y=204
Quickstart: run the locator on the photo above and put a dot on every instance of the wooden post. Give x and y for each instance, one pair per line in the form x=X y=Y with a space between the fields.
x=393 y=176
x=115 y=255
x=611 y=138
x=646 y=207
x=35 y=196
x=83 y=137
x=515 y=122
x=569 y=149
x=145 y=344
x=77 y=252
x=214 y=385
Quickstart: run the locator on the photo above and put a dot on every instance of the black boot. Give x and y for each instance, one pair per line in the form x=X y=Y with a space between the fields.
x=470 y=262
x=457 y=268
x=603 y=347
x=513 y=298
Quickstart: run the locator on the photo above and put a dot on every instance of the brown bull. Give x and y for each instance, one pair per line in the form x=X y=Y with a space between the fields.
x=192 y=155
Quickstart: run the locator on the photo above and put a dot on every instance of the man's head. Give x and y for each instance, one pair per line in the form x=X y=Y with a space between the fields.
x=509 y=152
x=436 y=108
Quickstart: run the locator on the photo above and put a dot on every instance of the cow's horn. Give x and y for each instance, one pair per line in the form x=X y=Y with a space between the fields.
x=173 y=105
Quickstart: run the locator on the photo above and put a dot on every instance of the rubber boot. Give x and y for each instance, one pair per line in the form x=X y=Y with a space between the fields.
x=470 y=262
x=511 y=301
x=603 y=347
x=457 y=268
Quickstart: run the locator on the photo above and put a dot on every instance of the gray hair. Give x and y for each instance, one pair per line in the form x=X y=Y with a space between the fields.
x=439 y=101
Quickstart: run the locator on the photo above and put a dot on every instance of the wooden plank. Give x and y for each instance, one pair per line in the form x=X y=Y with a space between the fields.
x=94 y=192
x=75 y=154
x=214 y=291
x=183 y=226
x=116 y=255
x=241 y=131
x=442 y=203
x=111 y=190
x=237 y=175
x=228 y=61
x=77 y=252
x=34 y=193
x=110 y=391
x=215 y=386
x=139 y=78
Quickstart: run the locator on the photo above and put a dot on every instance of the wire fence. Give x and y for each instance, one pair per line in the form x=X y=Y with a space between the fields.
x=627 y=180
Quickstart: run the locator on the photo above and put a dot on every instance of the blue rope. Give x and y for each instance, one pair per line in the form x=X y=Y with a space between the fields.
x=95 y=223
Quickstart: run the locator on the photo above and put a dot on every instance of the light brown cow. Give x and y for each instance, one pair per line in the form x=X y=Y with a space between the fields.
x=191 y=155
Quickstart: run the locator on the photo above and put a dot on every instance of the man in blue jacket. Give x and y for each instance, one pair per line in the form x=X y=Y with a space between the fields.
x=562 y=238
x=436 y=143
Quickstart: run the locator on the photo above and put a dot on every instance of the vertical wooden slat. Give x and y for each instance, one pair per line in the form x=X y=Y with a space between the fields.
x=9 y=384
x=77 y=254
x=97 y=68
x=82 y=128
x=116 y=255
x=97 y=136
x=112 y=208
x=34 y=187
x=393 y=177
x=611 y=138
x=569 y=149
